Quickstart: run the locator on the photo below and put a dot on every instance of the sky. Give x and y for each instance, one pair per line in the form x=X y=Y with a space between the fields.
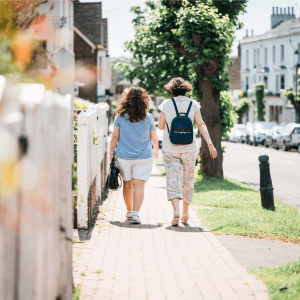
x=120 y=27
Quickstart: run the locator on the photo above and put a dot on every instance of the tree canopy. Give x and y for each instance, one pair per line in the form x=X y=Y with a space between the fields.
x=193 y=40
x=173 y=36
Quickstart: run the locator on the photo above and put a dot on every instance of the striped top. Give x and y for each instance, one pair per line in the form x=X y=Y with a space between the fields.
x=134 y=140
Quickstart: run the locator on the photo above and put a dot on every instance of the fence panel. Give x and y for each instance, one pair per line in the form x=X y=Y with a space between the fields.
x=91 y=161
x=36 y=214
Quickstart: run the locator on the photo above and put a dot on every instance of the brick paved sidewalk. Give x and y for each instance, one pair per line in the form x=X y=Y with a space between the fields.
x=155 y=260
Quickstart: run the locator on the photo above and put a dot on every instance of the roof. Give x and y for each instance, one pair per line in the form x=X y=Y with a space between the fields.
x=88 y=19
x=283 y=29
x=86 y=39
x=234 y=73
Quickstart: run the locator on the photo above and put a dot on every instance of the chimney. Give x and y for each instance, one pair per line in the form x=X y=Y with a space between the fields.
x=252 y=32
x=246 y=32
x=273 y=9
x=276 y=19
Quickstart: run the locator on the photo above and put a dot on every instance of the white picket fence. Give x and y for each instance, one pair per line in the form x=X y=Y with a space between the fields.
x=35 y=194
x=92 y=161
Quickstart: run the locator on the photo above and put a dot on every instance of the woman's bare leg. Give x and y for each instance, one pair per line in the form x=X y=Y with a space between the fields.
x=128 y=194
x=175 y=204
x=185 y=209
x=138 y=193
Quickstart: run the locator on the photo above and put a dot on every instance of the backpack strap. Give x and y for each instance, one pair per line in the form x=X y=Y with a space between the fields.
x=174 y=103
x=188 y=111
x=175 y=106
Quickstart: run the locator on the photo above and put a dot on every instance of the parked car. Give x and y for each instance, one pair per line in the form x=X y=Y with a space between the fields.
x=272 y=135
x=245 y=135
x=260 y=129
x=236 y=133
x=289 y=137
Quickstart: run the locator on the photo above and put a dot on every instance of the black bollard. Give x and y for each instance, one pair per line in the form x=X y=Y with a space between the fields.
x=266 y=188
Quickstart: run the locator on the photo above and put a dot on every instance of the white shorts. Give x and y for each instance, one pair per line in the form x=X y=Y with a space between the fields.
x=138 y=169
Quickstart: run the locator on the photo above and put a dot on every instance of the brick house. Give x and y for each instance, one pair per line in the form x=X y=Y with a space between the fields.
x=92 y=63
x=235 y=77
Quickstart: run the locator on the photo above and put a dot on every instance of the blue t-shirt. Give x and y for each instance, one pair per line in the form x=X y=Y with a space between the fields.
x=134 y=139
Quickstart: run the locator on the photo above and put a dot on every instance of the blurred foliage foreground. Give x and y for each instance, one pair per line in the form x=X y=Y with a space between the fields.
x=20 y=54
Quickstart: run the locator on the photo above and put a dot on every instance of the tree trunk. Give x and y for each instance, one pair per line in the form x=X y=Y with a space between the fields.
x=240 y=119
x=210 y=108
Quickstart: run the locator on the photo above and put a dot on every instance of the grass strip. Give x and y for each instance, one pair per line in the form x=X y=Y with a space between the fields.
x=283 y=281
x=237 y=211
x=77 y=293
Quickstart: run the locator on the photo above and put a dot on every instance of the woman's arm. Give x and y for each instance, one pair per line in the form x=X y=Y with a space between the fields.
x=162 y=121
x=114 y=141
x=204 y=132
x=154 y=140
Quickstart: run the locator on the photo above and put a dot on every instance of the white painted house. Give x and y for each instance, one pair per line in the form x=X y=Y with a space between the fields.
x=55 y=34
x=270 y=58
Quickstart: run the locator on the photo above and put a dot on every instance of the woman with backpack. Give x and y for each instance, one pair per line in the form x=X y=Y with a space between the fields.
x=131 y=144
x=179 y=145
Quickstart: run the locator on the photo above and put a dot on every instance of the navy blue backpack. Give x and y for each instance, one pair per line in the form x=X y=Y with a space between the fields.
x=182 y=130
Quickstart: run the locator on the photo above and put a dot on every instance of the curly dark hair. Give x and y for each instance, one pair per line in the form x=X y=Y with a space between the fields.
x=178 y=87
x=135 y=103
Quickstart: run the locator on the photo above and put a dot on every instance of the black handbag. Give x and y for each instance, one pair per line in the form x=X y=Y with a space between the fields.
x=114 y=179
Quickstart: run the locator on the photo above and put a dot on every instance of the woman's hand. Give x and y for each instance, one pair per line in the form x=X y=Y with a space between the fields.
x=212 y=151
x=156 y=153
x=111 y=156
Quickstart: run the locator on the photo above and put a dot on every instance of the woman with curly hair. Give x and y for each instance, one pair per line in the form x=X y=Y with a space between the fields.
x=179 y=159
x=131 y=143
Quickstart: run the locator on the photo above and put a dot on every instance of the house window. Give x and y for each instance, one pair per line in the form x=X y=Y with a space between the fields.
x=100 y=69
x=247 y=58
x=274 y=54
x=266 y=81
x=282 y=83
x=258 y=57
x=266 y=56
x=119 y=90
x=282 y=53
x=39 y=55
x=247 y=84
x=254 y=58
x=277 y=84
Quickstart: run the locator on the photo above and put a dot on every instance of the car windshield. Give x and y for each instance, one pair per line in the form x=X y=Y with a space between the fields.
x=297 y=130
x=277 y=129
x=264 y=125
x=240 y=128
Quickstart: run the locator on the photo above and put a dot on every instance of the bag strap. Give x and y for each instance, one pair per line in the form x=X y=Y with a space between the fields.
x=188 y=111
x=174 y=103
x=176 y=110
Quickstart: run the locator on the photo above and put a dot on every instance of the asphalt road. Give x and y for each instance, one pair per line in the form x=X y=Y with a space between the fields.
x=241 y=164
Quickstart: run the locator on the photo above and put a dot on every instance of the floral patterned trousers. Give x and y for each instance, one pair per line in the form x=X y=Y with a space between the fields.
x=180 y=171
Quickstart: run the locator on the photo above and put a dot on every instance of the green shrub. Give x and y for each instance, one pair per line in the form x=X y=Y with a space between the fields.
x=228 y=115
x=259 y=101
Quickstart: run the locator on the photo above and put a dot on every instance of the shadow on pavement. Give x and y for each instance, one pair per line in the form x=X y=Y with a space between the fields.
x=186 y=228
x=127 y=224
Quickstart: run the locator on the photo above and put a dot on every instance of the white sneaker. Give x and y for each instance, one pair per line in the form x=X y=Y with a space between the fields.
x=135 y=220
x=129 y=215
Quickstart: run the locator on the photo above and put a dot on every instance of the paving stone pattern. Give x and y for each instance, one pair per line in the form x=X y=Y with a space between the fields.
x=154 y=260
